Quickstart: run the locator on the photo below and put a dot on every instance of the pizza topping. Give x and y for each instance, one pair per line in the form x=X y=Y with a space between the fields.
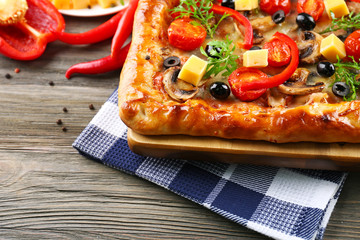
x=223 y=62
x=248 y=37
x=297 y=84
x=309 y=47
x=279 y=53
x=219 y=90
x=209 y=49
x=201 y=11
x=305 y=21
x=256 y=58
x=332 y=48
x=352 y=45
x=341 y=89
x=178 y=89
x=272 y=6
x=193 y=70
x=336 y=8
x=313 y=7
x=263 y=24
x=352 y=21
x=325 y=69
x=172 y=61
x=241 y=76
x=276 y=80
x=242 y=5
x=348 y=72
x=278 y=17
x=186 y=34
x=228 y=3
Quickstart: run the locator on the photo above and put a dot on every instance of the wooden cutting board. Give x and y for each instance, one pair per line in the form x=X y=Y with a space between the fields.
x=330 y=156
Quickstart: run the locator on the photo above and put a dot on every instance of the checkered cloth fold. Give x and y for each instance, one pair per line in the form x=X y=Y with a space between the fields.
x=281 y=203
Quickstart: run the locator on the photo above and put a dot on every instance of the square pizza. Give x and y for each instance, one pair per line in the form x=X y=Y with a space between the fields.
x=279 y=71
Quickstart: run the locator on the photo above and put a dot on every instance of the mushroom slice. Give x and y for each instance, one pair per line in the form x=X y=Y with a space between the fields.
x=178 y=89
x=263 y=24
x=297 y=85
x=309 y=47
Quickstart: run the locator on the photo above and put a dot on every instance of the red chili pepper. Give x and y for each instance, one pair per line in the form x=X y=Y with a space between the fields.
x=248 y=41
x=98 y=34
x=27 y=40
x=102 y=65
x=124 y=28
x=283 y=76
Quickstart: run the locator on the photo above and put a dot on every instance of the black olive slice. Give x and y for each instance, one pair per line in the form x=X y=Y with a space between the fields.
x=341 y=89
x=278 y=17
x=172 y=62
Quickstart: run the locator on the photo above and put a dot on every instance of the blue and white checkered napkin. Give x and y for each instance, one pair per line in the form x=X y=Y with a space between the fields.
x=278 y=202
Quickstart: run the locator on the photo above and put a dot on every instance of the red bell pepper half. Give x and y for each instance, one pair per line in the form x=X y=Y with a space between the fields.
x=27 y=40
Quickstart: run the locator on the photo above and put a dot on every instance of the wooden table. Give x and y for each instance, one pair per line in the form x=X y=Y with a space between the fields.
x=47 y=190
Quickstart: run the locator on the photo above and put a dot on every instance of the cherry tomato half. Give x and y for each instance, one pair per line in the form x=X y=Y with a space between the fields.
x=352 y=45
x=245 y=74
x=279 y=52
x=186 y=35
x=313 y=7
x=272 y=6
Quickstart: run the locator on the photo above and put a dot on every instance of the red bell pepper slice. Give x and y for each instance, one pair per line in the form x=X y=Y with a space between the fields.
x=276 y=80
x=248 y=41
x=26 y=40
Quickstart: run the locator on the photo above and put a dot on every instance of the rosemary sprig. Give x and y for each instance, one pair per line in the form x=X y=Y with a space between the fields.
x=200 y=10
x=345 y=22
x=220 y=58
x=348 y=71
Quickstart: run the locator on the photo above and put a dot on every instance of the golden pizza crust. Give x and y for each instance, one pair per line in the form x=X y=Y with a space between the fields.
x=147 y=109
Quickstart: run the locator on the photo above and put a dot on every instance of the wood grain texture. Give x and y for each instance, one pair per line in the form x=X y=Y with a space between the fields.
x=49 y=191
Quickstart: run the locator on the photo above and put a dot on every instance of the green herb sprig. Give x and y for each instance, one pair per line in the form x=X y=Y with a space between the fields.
x=345 y=22
x=199 y=10
x=348 y=71
x=220 y=60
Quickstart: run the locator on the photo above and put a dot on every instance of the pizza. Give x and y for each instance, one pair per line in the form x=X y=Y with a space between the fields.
x=279 y=71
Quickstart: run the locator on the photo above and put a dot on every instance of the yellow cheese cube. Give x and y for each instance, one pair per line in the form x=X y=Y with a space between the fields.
x=61 y=4
x=193 y=70
x=338 y=7
x=242 y=5
x=331 y=47
x=106 y=3
x=79 y=4
x=256 y=58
